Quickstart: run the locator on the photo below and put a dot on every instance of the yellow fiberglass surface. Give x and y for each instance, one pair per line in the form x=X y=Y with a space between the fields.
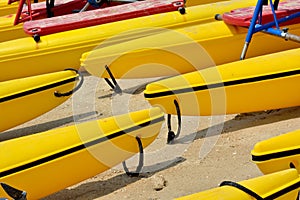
x=180 y=51
x=255 y=84
x=277 y=153
x=46 y=162
x=280 y=186
x=26 y=98
x=24 y=56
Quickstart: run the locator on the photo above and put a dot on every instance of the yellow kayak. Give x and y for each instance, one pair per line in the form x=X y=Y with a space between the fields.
x=181 y=51
x=282 y=185
x=278 y=153
x=44 y=163
x=254 y=84
x=44 y=92
x=71 y=44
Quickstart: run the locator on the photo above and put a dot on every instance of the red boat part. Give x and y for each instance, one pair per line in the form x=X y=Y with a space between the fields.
x=243 y=16
x=101 y=16
x=60 y=7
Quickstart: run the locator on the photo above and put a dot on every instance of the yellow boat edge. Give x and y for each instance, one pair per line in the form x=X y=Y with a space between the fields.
x=203 y=89
x=59 y=152
x=277 y=153
x=280 y=185
x=43 y=92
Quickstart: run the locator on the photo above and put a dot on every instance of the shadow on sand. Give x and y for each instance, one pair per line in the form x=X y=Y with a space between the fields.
x=96 y=189
x=243 y=121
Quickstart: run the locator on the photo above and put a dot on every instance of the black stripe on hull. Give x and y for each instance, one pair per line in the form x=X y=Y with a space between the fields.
x=36 y=90
x=276 y=155
x=77 y=148
x=284 y=191
x=223 y=84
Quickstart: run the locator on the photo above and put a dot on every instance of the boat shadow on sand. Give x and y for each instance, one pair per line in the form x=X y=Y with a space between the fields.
x=96 y=189
x=243 y=121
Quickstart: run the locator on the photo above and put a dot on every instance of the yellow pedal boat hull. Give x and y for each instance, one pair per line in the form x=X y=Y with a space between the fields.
x=26 y=98
x=181 y=51
x=6 y=9
x=282 y=185
x=44 y=163
x=24 y=56
x=278 y=153
x=254 y=84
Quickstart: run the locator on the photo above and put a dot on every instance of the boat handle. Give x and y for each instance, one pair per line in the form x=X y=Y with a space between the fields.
x=58 y=94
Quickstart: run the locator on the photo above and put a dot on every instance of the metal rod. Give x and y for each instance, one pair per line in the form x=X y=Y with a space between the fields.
x=85 y=7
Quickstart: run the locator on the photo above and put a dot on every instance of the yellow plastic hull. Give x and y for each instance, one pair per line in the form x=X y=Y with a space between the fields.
x=255 y=84
x=184 y=50
x=277 y=153
x=6 y=9
x=18 y=97
x=24 y=56
x=8 y=31
x=282 y=185
x=47 y=162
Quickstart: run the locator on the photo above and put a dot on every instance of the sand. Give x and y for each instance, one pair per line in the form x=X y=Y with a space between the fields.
x=208 y=151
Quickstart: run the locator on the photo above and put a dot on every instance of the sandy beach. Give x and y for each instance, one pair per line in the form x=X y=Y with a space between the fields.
x=208 y=151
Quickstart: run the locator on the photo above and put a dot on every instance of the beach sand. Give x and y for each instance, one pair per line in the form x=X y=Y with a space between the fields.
x=208 y=151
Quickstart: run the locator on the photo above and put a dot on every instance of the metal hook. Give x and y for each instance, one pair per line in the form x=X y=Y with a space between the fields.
x=171 y=134
x=141 y=161
x=13 y=192
x=57 y=94
x=114 y=85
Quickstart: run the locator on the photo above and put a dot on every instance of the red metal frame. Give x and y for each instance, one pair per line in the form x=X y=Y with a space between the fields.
x=20 y=10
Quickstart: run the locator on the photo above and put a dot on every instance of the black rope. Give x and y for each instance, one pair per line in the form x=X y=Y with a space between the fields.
x=114 y=85
x=242 y=188
x=171 y=134
x=57 y=94
x=13 y=192
x=141 y=161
